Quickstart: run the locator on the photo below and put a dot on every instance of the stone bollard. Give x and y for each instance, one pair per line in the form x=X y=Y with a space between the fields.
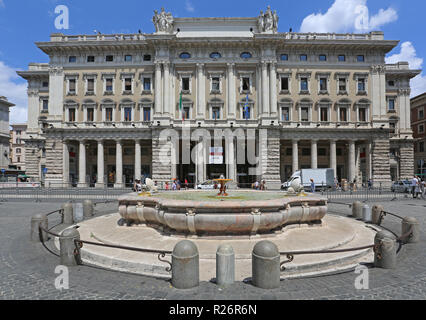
x=67 y=247
x=366 y=213
x=88 y=209
x=68 y=213
x=376 y=211
x=225 y=265
x=185 y=265
x=78 y=212
x=36 y=221
x=357 y=210
x=266 y=265
x=385 y=255
x=412 y=224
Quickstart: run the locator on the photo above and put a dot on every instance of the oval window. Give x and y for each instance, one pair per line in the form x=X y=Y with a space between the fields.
x=184 y=55
x=215 y=55
x=246 y=55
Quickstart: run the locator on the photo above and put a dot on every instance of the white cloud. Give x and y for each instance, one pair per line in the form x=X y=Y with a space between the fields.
x=348 y=16
x=408 y=53
x=2 y=4
x=188 y=6
x=15 y=92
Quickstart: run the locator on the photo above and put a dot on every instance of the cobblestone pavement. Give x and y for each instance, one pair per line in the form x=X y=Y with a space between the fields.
x=27 y=269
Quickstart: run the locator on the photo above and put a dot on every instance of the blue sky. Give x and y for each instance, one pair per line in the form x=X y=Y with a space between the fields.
x=23 y=22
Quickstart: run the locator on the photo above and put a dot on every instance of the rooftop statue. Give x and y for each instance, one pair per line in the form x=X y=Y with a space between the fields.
x=163 y=21
x=268 y=21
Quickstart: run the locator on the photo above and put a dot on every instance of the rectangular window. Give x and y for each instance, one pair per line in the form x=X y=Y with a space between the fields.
x=421 y=114
x=90 y=85
x=108 y=85
x=342 y=84
x=90 y=58
x=322 y=152
x=215 y=84
x=304 y=114
x=72 y=59
x=215 y=113
x=322 y=57
x=323 y=84
x=109 y=58
x=391 y=83
x=304 y=84
x=108 y=114
x=246 y=113
x=72 y=85
x=246 y=84
x=146 y=114
x=147 y=57
x=324 y=114
x=342 y=58
x=285 y=114
x=343 y=115
x=128 y=58
x=45 y=84
x=362 y=114
x=71 y=115
x=185 y=84
x=421 y=128
x=284 y=57
x=127 y=114
x=45 y=104
x=90 y=114
x=186 y=112
x=147 y=84
x=361 y=85
x=303 y=57
x=391 y=105
x=360 y=58
x=284 y=84
x=306 y=152
x=421 y=146
x=128 y=84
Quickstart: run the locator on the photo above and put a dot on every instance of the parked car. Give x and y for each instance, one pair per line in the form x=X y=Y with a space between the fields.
x=207 y=185
x=402 y=186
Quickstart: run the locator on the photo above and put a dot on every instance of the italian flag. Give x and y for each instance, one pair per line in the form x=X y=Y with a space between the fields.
x=180 y=106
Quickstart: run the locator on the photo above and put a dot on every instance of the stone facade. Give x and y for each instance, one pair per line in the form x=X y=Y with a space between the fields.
x=324 y=100
x=4 y=132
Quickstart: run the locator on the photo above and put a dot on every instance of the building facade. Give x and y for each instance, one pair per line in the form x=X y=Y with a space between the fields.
x=17 y=145
x=418 y=125
x=201 y=97
x=5 y=105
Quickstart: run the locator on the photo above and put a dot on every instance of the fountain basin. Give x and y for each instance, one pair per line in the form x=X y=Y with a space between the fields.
x=202 y=213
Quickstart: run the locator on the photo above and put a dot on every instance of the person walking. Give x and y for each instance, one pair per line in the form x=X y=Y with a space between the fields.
x=312 y=186
x=414 y=183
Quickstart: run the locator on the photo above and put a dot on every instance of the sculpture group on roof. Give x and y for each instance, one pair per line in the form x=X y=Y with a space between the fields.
x=268 y=21
x=163 y=21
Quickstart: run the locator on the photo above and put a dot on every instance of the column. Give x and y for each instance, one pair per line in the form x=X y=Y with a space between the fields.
x=166 y=86
x=333 y=157
x=101 y=171
x=273 y=89
x=82 y=165
x=230 y=160
x=314 y=154
x=368 y=161
x=351 y=161
x=66 y=164
x=265 y=91
x=295 y=151
x=200 y=92
x=119 y=165
x=231 y=91
x=138 y=163
x=158 y=96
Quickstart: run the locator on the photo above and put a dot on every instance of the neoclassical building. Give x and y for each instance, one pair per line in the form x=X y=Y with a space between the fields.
x=201 y=97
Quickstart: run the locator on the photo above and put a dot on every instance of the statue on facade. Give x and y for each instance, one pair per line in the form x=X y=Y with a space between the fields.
x=268 y=21
x=163 y=21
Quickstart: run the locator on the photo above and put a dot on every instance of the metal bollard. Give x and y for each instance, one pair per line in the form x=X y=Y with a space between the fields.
x=376 y=212
x=67 y=247
x=36 y=221
x=88 y=209
x=357 y=210
x=266 y=265
x=68 y=213
x=412 y=224
x=185 y=265
x=385 y=253
x=366 y=213
x=225 y=265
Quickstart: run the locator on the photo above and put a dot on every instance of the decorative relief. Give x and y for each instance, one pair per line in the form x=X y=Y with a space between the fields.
x=163 y=21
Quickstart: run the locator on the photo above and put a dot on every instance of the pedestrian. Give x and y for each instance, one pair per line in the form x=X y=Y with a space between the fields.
x=167 y=186
x=138 y=186
x=186 y=184
x=422 y=188
x=263 y=185
x=370 y=184
x=256 y=185
x=174 y=186
x=178 y=184
x=312 y=186
x=414 y=183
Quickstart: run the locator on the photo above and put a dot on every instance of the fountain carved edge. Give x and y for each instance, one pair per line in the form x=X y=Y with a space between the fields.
x=223 y=217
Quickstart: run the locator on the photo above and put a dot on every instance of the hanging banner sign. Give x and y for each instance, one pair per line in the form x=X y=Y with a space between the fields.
x=216 y=155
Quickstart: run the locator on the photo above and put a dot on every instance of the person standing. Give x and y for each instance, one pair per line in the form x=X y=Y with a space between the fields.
x=414 y=183
x=312 y=186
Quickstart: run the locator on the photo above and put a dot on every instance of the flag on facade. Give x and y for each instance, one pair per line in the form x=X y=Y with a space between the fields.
x=246 y=108
x=180 y=106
